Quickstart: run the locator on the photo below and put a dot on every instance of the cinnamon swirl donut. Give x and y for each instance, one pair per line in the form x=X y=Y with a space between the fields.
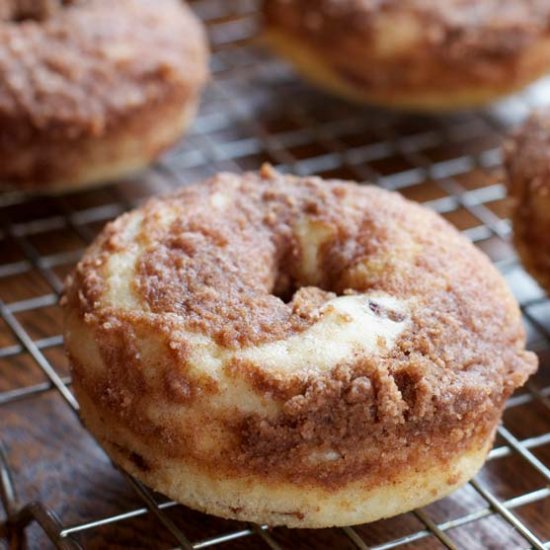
x=292 y=351
x=414 y=54
x=92 y=90
x=527 y=159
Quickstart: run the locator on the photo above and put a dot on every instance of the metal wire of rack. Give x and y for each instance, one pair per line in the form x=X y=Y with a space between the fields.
x=254 y=111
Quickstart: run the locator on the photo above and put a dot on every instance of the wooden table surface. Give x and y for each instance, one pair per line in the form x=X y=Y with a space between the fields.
x=254 y=111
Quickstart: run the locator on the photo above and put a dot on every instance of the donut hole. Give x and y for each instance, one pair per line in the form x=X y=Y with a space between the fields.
x=292 y=290
x=287 y=295
x=285 y=287
x=301 y=293
x=303 y=266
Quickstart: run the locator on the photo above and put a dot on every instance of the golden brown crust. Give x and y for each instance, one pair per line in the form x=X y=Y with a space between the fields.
x=59 y=165
x=182 y=317
x=421 y=47
x=259 y=498
x=527 y=157
x=84 y=73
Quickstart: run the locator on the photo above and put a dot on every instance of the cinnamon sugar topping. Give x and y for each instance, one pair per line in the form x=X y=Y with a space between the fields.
x=298 y=328
x=74 y=68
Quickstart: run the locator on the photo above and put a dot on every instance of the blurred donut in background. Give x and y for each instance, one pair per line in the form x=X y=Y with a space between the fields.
x=527 y=159
x=91 y=91
x=414 y=54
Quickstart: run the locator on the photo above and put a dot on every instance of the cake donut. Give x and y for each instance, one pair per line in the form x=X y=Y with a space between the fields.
x=414 y=54
x=527 y=160
x=92 y=90
x=292 y=351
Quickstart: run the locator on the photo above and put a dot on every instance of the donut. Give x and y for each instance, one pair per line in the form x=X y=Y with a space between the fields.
x=414 y=54
x=292 y=351
x=527 y=162
x=93 y=90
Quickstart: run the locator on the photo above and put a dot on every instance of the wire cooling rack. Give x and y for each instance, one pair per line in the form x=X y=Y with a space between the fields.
x=56 y=485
